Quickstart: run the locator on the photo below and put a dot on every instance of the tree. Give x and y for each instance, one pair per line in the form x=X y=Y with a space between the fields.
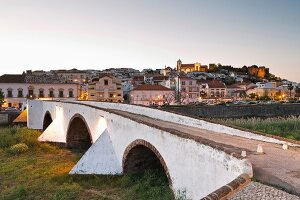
x=2 y=100
x=290 y=87
x=203 y=94
x=170 y=98
x=183 y=96
x=252 y=96
x=243 y=94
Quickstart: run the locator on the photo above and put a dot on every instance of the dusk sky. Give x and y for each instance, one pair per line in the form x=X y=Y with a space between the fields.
x=141 y=34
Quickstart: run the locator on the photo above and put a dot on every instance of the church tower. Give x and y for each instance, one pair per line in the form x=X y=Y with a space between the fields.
x=179 y=65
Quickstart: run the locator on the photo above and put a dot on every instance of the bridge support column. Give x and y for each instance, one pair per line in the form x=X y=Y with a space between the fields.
x=54 y=133
x=100 y=158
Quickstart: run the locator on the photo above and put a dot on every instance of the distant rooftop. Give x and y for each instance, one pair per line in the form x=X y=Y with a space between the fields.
x=152 y=87
x=32 y=78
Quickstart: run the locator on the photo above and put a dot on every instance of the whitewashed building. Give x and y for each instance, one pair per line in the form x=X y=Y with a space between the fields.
x=17 y=88
x=152 y=95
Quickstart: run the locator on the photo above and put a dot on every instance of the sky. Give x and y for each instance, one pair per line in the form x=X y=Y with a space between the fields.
x=96 y=34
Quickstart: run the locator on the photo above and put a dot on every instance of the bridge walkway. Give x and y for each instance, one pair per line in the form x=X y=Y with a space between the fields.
x=277 y=167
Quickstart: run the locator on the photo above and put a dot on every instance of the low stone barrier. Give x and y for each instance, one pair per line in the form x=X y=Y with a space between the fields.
x=238 y=111
x=7 y=118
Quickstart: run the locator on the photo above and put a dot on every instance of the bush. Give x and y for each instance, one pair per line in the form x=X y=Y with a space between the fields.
x=15 y=135
x=6 y=140
x=18 y=148
x=285 y=127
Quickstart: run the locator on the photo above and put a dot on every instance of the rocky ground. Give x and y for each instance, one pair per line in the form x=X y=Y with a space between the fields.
x=258 y=191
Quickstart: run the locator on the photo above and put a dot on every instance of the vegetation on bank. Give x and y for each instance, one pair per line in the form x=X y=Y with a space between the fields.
x=33 y=170
x=284 y=127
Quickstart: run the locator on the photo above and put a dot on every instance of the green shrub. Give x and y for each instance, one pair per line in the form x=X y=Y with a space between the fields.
x=151 y=185
x=14 y=135
x=6 y=140
x=284 y=127
x=18 y=148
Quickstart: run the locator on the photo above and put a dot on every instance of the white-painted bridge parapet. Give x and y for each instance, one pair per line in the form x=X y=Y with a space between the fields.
x=120 y=142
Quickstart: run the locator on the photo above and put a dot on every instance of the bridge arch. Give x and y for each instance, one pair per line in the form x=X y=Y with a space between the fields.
x=140 y=156
x=78 y=133
x=47 y=120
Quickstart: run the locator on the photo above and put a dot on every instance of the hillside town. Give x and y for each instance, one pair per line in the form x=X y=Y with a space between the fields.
x=182 y=84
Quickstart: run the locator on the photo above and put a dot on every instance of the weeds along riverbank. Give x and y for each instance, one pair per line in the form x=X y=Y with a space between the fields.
x=33 y=170
x=288 y=127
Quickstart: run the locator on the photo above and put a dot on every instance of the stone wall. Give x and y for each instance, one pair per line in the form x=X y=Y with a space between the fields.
x=7 y=118
x=237 y=111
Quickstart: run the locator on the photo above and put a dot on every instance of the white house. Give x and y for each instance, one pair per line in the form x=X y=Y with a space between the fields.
x=17 y=88
x=152 y=95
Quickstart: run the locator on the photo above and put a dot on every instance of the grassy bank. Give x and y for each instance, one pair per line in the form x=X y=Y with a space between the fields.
x=41 y=172
x=284 y=127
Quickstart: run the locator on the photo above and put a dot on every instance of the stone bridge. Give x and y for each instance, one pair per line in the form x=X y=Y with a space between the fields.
x=196 y=156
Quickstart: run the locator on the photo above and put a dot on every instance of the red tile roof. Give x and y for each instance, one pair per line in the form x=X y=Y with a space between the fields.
x=12 y=78
x=185 y=78
x=138 y=78
x=160 y=78
x=152 y=87
x=216 y=84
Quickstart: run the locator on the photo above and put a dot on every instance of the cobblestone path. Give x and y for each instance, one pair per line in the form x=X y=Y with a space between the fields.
x=258 y=191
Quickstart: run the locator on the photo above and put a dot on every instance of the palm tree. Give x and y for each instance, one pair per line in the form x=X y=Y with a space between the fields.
x=290 y=87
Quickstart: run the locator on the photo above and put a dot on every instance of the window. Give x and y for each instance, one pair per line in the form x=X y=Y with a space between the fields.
x=105 y=82
x=111 y=95
x=183 y=83
x=41 y=93
x=20 y=93
x=191 y=82
x=9 y=93
x=61 y=94
x=30 y=92
x=71 y=93
x=51 y=93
